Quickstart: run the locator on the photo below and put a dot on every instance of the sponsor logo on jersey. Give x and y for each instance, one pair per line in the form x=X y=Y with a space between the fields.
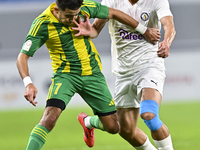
x=130 y=35
x=144 y=16
x=27 y=45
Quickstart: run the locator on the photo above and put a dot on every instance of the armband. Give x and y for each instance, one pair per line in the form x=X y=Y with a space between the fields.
x=141 y=28
x=27 y=80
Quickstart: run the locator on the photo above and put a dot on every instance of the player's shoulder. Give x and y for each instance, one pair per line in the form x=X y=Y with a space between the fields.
x=94 y=9
x=89 y=3
x=42 y=19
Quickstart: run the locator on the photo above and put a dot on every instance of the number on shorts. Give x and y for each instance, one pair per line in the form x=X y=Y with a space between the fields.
x=58 y=86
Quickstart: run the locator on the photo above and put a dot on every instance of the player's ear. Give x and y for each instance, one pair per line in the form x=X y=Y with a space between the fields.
x=56 y=9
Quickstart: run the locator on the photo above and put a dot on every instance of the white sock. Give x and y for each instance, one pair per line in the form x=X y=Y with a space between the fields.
x=87 y=122
x=165 y=144
x=146 y=146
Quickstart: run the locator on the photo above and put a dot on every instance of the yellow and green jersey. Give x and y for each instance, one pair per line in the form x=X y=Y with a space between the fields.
x=69 y=54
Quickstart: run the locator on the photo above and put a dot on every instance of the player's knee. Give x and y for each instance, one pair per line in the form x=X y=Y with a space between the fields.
x=113 y=129
x=147 y=116
x=153 y=124
x=149 y=112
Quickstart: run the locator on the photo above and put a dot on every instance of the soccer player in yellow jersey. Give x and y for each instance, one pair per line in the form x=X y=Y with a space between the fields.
x=76 y=66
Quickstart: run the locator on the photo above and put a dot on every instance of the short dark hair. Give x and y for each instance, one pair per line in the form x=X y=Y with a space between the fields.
x=70 y=4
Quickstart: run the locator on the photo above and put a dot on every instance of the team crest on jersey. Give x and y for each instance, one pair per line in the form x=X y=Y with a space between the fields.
x=27 y=45
x=144 y=16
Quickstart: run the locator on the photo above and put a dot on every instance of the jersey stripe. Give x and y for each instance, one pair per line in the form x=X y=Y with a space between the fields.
x=67 y=64
x=85 y=13
x=50 y=89
x=81 y=48
x=97 y=57
x=36 y=27
x=59 y=56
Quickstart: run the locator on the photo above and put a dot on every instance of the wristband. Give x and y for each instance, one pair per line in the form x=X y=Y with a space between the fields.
x=27 y=80
x=141 y=28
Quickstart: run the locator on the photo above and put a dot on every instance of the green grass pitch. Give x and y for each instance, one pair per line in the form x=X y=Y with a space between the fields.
x=181 y=118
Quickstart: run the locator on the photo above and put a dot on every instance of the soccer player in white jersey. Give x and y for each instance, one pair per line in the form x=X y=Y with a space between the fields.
x=139 y=69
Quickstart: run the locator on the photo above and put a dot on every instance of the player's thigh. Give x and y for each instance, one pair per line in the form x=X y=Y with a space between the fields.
x=151 y=94
x=151 y=84
x=62 y=89
x=96 y=94
x=128 y=117
x=126 y=92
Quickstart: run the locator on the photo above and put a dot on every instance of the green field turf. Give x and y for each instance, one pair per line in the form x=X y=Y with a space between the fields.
x=15 y=126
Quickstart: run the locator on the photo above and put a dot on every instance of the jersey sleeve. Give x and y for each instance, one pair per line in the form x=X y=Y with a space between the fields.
x=36 y=37
x=94 y=9
x=162 y=8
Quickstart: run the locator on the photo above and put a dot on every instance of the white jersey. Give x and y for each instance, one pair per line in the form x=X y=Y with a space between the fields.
x=130 y=51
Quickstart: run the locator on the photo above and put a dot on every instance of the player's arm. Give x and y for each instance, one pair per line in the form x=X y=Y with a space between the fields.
x=169 y=35
x=30 y=91
x=152 y=35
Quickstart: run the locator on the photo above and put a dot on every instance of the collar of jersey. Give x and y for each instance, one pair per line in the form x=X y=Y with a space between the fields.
x=49 y=9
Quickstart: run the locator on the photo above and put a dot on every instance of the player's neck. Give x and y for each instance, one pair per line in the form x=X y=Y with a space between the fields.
x=133 y=1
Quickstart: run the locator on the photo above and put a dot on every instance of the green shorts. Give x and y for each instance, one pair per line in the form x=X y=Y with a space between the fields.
x=93 y=89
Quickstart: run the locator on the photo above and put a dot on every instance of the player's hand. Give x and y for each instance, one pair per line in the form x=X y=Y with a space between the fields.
x=163 y=50
x=84 y=28
x=152 y=35
x=30 y=93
